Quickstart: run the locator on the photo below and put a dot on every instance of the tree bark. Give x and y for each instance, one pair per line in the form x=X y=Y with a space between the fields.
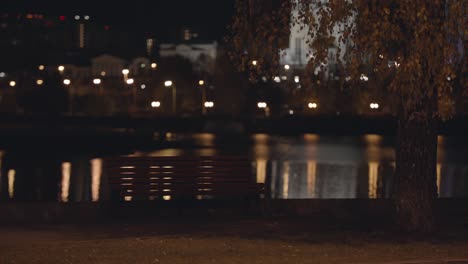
x=415 y=187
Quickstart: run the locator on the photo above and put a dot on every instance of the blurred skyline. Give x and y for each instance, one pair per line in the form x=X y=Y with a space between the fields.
x=151 y=18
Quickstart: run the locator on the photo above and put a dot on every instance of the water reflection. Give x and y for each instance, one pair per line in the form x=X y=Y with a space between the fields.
x=285 y=176
x=372 y=179
x=341 y=167
x=311 y=178
x=11 y=183
x=303 y=167
x=261 y=170
x=96 y=173
x=65 y=183
x=260 y=145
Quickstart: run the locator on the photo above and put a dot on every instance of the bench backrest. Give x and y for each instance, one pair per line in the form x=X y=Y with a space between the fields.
x=151 y=178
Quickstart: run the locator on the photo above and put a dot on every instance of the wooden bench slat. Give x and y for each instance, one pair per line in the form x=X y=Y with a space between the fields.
x=159 y=177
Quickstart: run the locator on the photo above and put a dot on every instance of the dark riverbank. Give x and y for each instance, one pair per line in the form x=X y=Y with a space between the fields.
x=16 y=126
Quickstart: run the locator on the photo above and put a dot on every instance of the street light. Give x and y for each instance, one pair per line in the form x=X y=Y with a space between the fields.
x=261 y=105
x=287 y=67
x=12 y=83
x=98 y=82
x=71 y=94
x=264 y=107
x=134 y=94
x=154 y=65
x=125 y=73
x=39 y=82
x=312 y=105
x=174 y=94
x=41 y=67
x=209 y=104
x=155 y=104
x=374 y=106
x=61 y=68
x=203 y=90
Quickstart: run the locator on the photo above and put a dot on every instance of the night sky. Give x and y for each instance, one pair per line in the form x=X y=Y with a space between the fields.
x=152 y=17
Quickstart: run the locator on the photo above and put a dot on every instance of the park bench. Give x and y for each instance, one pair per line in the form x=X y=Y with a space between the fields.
x=173 y=178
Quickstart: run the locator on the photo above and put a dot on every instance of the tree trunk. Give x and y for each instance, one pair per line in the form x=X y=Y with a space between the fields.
x=415 y=187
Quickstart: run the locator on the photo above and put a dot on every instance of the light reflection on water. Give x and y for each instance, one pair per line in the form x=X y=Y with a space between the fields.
x=302 y=167
x=65 y=183
x=96 y=173
x=11 y=183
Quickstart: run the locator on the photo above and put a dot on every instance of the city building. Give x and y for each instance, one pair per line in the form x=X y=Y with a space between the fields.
x=299 y=52
x=201 y=54
x=107 y=66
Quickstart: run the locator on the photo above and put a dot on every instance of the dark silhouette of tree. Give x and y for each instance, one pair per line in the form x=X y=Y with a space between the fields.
x=413 y=48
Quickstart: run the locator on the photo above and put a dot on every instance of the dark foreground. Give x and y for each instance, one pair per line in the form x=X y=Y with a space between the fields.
x=233 y=239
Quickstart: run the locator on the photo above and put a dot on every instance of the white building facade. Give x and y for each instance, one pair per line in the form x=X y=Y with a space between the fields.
x=299 y=53
x=201 y=55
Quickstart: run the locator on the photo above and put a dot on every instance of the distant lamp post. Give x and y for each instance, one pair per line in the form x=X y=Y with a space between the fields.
x=12 y=83
x=262 y=105
x=134 y=93
x=364 y=78
x=374 y=106
x=312 y=105
x=287 y=67
x=254 y=63
x=209 y=104
x=155 y=104
x=97 y=82
x=154 y=65
x=203 y=91
x=125 y=73
x=40 y=82
x=41 y=67
x=61 y=68
x=71 y=94
x=169 y=83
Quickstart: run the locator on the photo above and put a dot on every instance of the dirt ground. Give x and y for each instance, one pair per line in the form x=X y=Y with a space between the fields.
x=234 y=240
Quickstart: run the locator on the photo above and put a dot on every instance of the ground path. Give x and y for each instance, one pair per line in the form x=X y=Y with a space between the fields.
x=234 y=240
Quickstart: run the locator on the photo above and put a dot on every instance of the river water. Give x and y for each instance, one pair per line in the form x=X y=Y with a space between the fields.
x=297 y=167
